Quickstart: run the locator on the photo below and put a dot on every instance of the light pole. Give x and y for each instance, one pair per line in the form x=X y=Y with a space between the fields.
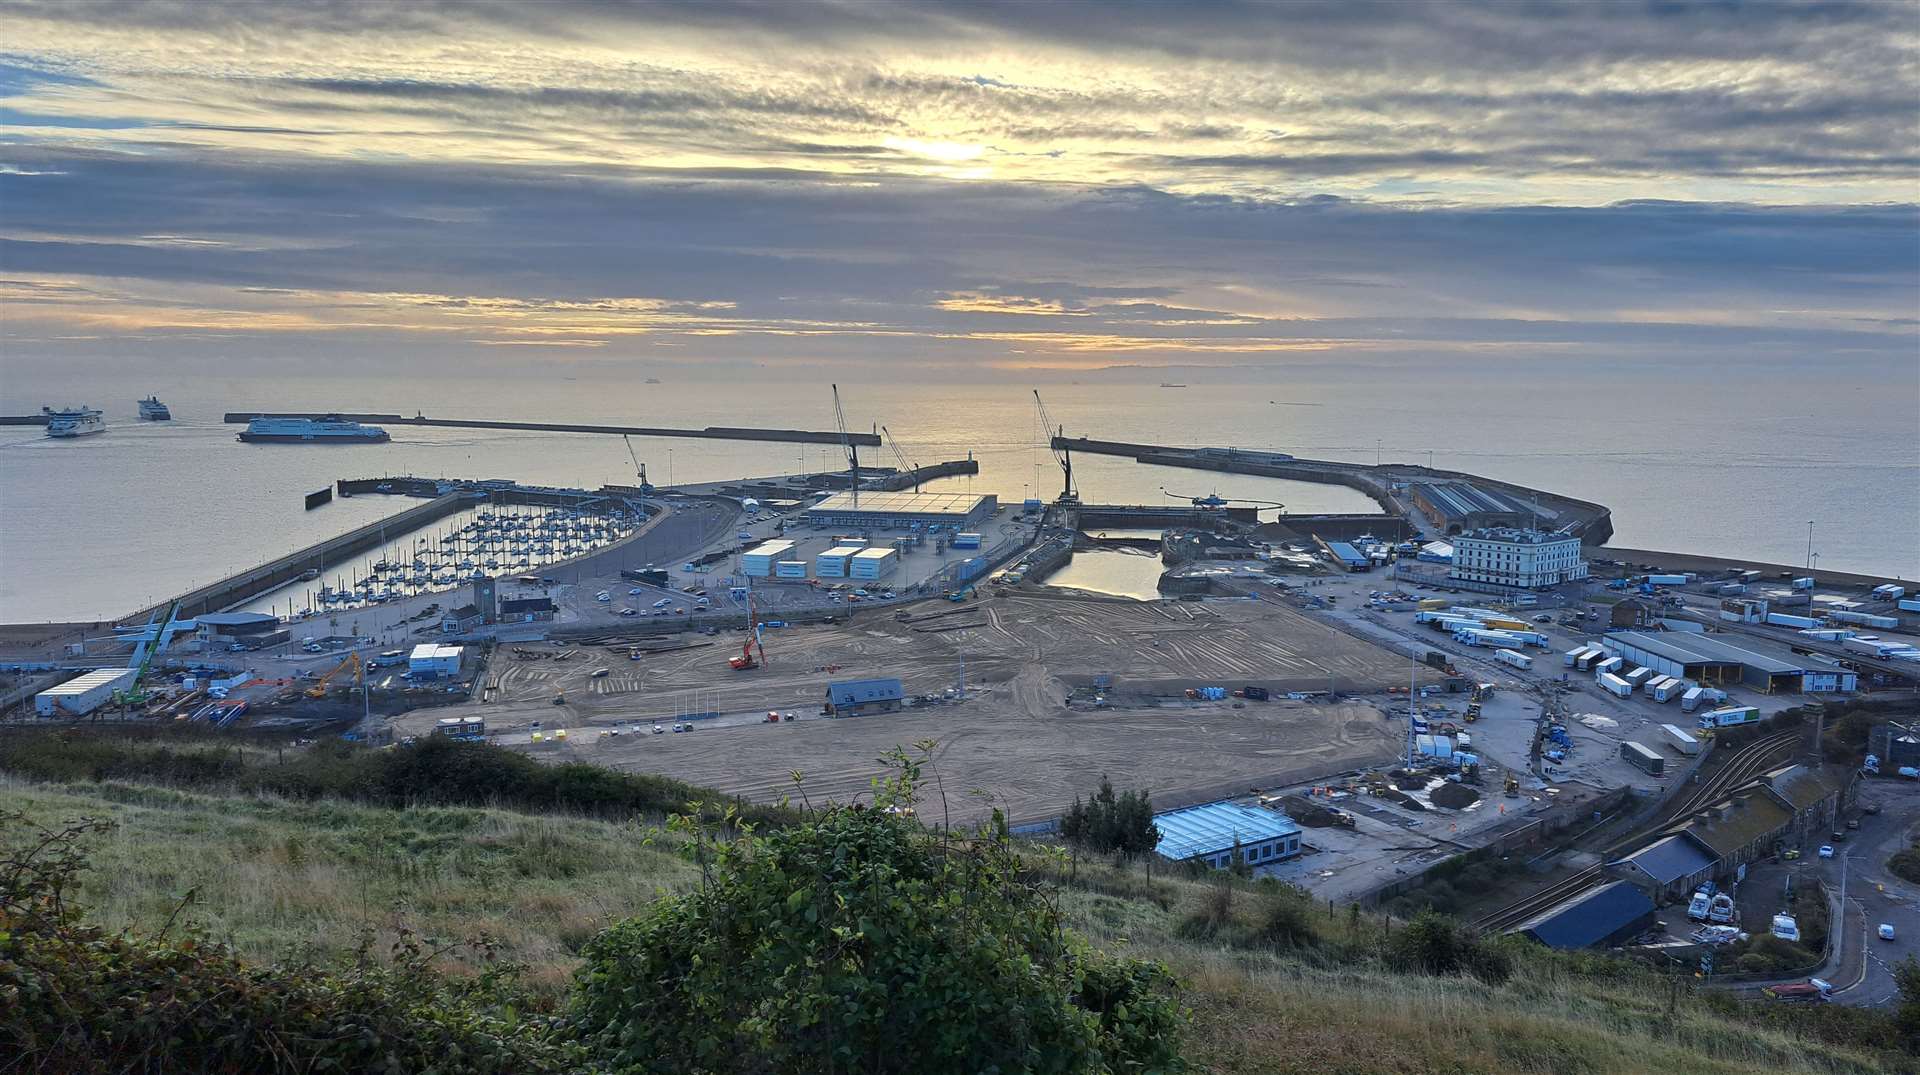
x=1809 y=546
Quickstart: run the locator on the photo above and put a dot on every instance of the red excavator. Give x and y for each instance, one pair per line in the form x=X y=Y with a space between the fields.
x=745 y=660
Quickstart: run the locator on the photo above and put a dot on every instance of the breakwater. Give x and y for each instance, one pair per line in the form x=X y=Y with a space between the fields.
x=790 y=436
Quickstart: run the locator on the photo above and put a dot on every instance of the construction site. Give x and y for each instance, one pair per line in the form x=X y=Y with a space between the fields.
x=1031 y=695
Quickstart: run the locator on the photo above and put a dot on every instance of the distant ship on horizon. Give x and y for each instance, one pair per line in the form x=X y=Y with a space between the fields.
x=1165 y=384
x=152 y=410
x=653 y=380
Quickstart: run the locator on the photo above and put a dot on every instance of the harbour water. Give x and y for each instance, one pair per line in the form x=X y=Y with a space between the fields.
x=1720 y=465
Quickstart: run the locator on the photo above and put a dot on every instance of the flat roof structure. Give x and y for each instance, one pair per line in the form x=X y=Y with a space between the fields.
x=1607 y=915
x=1673 y=858
x=89 y=681
x=886 y=510
x=1695 y=656
x=1215 y=827
x=1458 y=506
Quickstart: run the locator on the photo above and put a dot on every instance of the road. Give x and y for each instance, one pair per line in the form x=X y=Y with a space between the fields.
x=1879 y=895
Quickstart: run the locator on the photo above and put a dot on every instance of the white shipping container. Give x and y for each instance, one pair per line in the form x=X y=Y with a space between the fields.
x=1690 y=701
x=1615 y=685
x=1517 y=660
x=1866 y=620
x=1638 y=676
x=1608 y=666
x=1782 y=619
x=1909 y=604
x=873 y=563
x=1668 y=689
x=1572 y=655
x=1872 y=647
x=790 y=569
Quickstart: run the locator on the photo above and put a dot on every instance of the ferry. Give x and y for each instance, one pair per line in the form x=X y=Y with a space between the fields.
x=152 y=410
x=331 y=429
x=81 y=421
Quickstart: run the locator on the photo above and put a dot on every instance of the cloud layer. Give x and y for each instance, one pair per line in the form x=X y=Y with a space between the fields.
x=1017 y=184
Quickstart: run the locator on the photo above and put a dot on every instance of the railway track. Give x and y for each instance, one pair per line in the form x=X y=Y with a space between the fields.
x=1745 y=764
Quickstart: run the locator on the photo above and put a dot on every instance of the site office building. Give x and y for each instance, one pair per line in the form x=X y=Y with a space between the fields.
x=1522 y=559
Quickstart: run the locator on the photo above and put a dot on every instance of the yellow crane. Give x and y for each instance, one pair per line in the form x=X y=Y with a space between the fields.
x=319 y=688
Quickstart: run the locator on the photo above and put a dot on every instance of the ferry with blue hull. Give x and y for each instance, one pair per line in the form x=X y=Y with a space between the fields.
x=81 y=421
x=331 y=429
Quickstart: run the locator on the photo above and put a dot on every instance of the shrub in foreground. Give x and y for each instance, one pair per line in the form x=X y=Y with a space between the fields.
x=860 y=942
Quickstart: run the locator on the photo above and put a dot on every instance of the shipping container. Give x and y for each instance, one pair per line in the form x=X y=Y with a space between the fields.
x=1517 y=660
x=1803 y=584
x=1609 y=665
x=1431 y=603
x=790 y=569
x=1638 y=676
x=1502 y=623
x=1782 y=619
x=1668 y=689
x=1568 y=658
x=1677 y=738
x=1613 y=684
x=1826 y=634
x=1872 y=647
x=1865 y=620
x=1909 y=604
x=1691 y=700
x=832 y=564
x=758 y=561
x=1668 y=580
x=1589 y=657
x=1640 y=757
x=966 y=541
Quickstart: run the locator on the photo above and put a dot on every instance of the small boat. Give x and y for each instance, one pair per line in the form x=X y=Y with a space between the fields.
x=81 y=421
x=152 y=410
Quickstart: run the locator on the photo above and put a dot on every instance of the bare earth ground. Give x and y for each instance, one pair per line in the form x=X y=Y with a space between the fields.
x=1013 y=736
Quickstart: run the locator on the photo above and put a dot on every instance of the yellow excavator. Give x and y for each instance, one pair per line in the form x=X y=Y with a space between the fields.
x=319 y=688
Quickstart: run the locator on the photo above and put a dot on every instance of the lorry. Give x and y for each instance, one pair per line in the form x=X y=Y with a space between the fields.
x=1568 y=658
x=1679 y=739
x=1783 y=619
x=1517 y=660
x=1667 y=580
x=1872 y=647
x=1614 y=685
x=1730 y=717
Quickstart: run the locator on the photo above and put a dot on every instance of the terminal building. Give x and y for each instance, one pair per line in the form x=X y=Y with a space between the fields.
x=247 y=630
x=1214 y=832
x=1517 y=558
x=1461 y=506
x=1708 y=660
x=902 y=511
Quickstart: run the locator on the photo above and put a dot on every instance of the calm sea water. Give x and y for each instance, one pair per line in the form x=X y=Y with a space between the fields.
x=1721 y=462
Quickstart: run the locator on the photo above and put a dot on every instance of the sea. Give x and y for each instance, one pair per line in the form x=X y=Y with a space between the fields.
x=1793 y=465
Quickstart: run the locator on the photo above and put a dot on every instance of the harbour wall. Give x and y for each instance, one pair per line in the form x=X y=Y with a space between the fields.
x=800 y=436
x=252 y=582
x=1591 y=522
x=23 y=419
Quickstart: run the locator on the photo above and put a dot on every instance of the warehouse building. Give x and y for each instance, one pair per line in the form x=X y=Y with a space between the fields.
x=1609 y=915
x=1461 y=506
x=1686 y=655
x=1214 y=832
x=1519 y=558
x=1668 y=868
x=80 y=696
x=901 y=511
x=858 y=697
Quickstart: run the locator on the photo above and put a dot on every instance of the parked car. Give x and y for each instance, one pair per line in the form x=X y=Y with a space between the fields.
x=1826 y=851
x=658 y=730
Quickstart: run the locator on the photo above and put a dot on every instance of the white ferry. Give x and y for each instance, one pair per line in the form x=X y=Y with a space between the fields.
x=152 y=410
x=331 y=429
x=81 y=421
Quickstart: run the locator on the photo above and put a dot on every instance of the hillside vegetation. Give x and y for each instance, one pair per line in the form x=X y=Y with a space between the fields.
x=512 y=938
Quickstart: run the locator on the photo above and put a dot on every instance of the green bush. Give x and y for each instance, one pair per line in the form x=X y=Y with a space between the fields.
x=859 y=942
x=1435 y=944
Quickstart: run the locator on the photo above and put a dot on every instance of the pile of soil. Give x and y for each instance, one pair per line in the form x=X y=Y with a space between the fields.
x=1454 y=796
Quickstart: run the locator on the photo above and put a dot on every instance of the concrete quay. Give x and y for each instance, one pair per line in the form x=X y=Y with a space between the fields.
x=790 y=436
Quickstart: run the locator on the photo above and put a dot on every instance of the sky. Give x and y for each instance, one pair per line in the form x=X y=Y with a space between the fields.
x=922 y=187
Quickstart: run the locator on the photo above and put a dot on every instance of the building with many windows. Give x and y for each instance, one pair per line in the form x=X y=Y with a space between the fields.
x=1522 y=559
x=1216 y=832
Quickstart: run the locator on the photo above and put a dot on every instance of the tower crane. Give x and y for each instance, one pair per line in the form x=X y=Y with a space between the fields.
x=639 y=468
x=900 y=454
x=1061 y=453
x=853 y=452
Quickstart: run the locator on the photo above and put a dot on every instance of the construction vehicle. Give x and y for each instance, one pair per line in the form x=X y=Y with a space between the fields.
x=1473 y=712
x=745 y=659
x=900 y=455
x=1513 y=786
x=957 y=596
x=136 y=693
x=319 y=688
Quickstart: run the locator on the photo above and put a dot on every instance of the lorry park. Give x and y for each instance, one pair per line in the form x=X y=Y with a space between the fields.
x=737 y=639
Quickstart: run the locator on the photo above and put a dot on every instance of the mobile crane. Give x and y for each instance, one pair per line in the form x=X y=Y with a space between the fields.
x=745 y=659
x=136 y=693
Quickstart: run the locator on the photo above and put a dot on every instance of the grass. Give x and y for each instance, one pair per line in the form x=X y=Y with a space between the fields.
x=279 y=878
